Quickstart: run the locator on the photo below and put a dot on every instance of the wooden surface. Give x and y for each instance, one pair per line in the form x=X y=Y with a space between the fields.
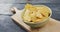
x=51 y=26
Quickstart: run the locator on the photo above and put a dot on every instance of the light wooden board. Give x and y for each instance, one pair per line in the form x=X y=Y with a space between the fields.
x=52 y=26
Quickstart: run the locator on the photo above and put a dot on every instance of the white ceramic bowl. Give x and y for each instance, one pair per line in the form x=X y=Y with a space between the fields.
x=40 y=23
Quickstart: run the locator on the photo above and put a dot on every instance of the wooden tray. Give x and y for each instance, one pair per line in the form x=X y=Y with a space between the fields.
x=52 y=26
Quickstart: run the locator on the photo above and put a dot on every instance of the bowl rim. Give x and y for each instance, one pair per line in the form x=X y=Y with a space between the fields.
x=44 y=19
